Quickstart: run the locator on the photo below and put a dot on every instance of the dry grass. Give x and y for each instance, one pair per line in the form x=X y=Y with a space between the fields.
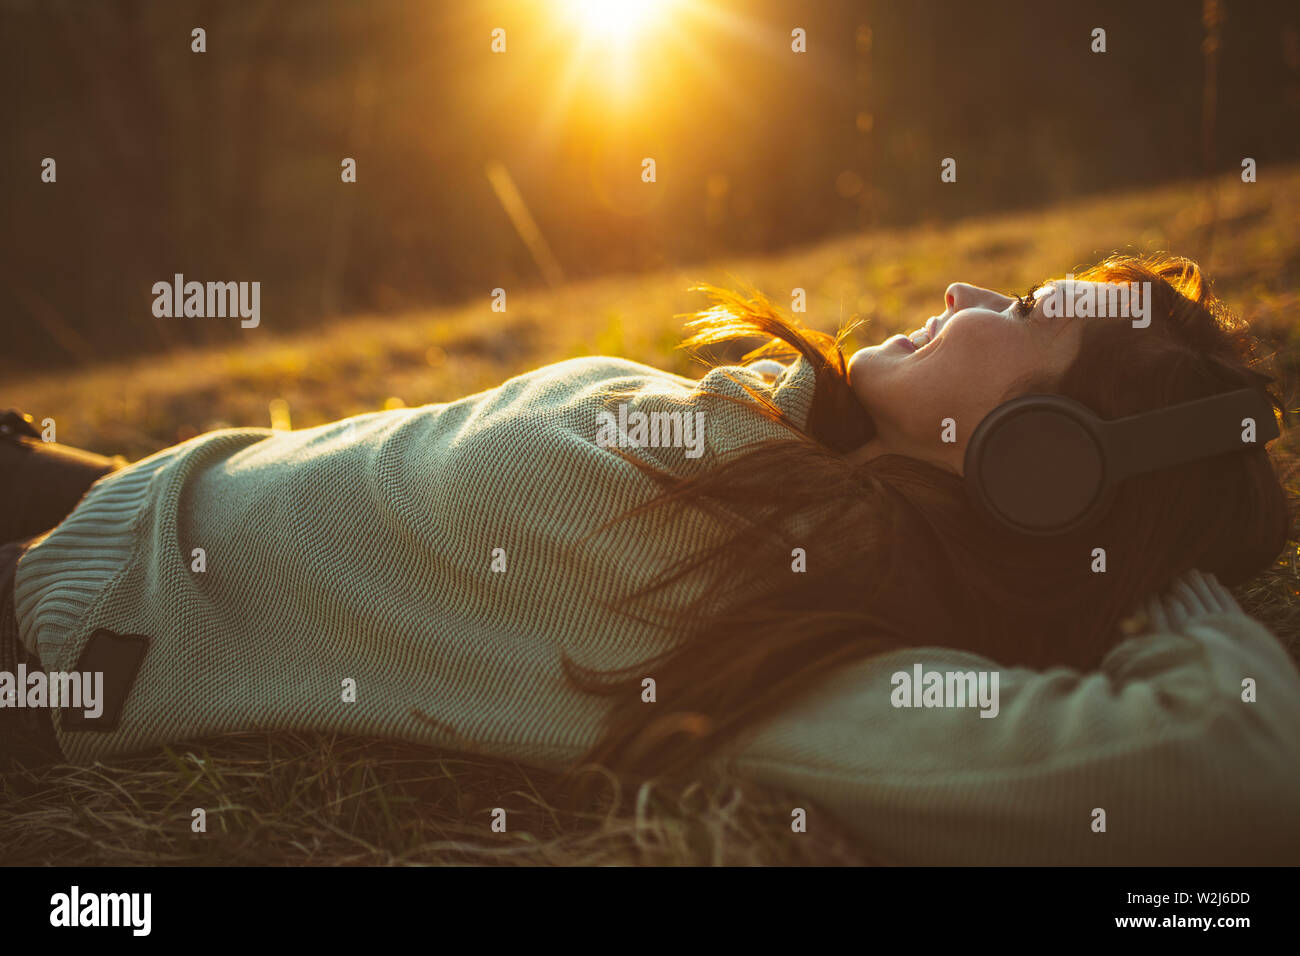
x=338 y=801
x=289 y=799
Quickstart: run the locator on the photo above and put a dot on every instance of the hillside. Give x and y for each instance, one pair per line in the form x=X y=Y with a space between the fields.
x=337 y=801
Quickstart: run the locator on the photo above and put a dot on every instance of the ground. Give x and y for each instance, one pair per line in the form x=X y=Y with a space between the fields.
x=336 y=800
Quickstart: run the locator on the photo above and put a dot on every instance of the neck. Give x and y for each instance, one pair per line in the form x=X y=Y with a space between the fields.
x=875 y=448
x=865 y=453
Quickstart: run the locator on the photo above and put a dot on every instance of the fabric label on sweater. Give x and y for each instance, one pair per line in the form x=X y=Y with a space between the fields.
x=117 y=657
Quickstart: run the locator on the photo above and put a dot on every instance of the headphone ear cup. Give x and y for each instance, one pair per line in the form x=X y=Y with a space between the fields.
x=1036 y=465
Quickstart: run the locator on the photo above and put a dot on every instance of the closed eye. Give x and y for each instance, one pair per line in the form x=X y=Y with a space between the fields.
x=1024 y=306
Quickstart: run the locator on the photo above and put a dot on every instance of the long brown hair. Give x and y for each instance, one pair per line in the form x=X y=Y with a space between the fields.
x=897 y=557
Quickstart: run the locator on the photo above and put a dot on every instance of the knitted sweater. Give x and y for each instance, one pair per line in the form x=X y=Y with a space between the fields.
x=429 y=556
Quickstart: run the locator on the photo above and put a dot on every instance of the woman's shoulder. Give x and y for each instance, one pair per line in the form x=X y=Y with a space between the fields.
x=574 y=399
x=609 y=366
x=789 y=385
x=589 y=373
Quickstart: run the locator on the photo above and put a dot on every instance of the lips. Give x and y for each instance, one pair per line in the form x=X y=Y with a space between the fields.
x=924 y=335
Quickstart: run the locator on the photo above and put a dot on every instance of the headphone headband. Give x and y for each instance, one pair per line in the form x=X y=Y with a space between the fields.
x=1046 y=464
x=1188 y=432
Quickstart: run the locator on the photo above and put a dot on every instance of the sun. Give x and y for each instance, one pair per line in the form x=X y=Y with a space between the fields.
x=616 y=21
x=618 y=58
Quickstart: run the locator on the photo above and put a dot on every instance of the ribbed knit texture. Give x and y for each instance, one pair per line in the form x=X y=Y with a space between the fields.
x=363 y=550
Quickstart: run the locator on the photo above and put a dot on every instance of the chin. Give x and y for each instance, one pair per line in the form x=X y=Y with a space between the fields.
x=857 y=358
x=859 y=361
x=860 y=373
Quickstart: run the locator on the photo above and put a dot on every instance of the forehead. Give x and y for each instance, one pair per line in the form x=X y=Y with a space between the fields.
x=1076 y=284
x=1080 y=285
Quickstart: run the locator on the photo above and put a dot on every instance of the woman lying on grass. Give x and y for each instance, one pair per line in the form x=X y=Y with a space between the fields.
x=522 y=574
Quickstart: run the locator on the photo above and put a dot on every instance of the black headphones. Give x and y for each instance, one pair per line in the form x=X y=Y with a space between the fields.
x=1045 y=464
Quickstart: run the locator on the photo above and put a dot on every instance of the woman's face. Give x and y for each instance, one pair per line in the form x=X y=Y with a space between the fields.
x=961 y=365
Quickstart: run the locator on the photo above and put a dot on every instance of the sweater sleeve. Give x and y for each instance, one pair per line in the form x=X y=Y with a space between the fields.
x=1186 y=742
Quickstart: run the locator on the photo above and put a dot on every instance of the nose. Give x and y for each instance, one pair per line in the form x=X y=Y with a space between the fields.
x=956 y=295
x=962 y=296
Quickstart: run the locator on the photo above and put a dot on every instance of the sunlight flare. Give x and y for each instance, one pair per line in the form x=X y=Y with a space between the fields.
x=618 y=21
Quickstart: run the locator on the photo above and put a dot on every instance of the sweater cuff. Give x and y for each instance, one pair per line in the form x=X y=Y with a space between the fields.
x=61 y=576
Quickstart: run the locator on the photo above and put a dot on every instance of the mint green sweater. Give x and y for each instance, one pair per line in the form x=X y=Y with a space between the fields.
x=365 y=550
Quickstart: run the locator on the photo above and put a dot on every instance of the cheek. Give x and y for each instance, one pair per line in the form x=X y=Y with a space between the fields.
x=974 y=352
x=967 y=376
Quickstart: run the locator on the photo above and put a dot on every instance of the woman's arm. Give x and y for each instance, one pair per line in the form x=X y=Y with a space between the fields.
x=1182 y=748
